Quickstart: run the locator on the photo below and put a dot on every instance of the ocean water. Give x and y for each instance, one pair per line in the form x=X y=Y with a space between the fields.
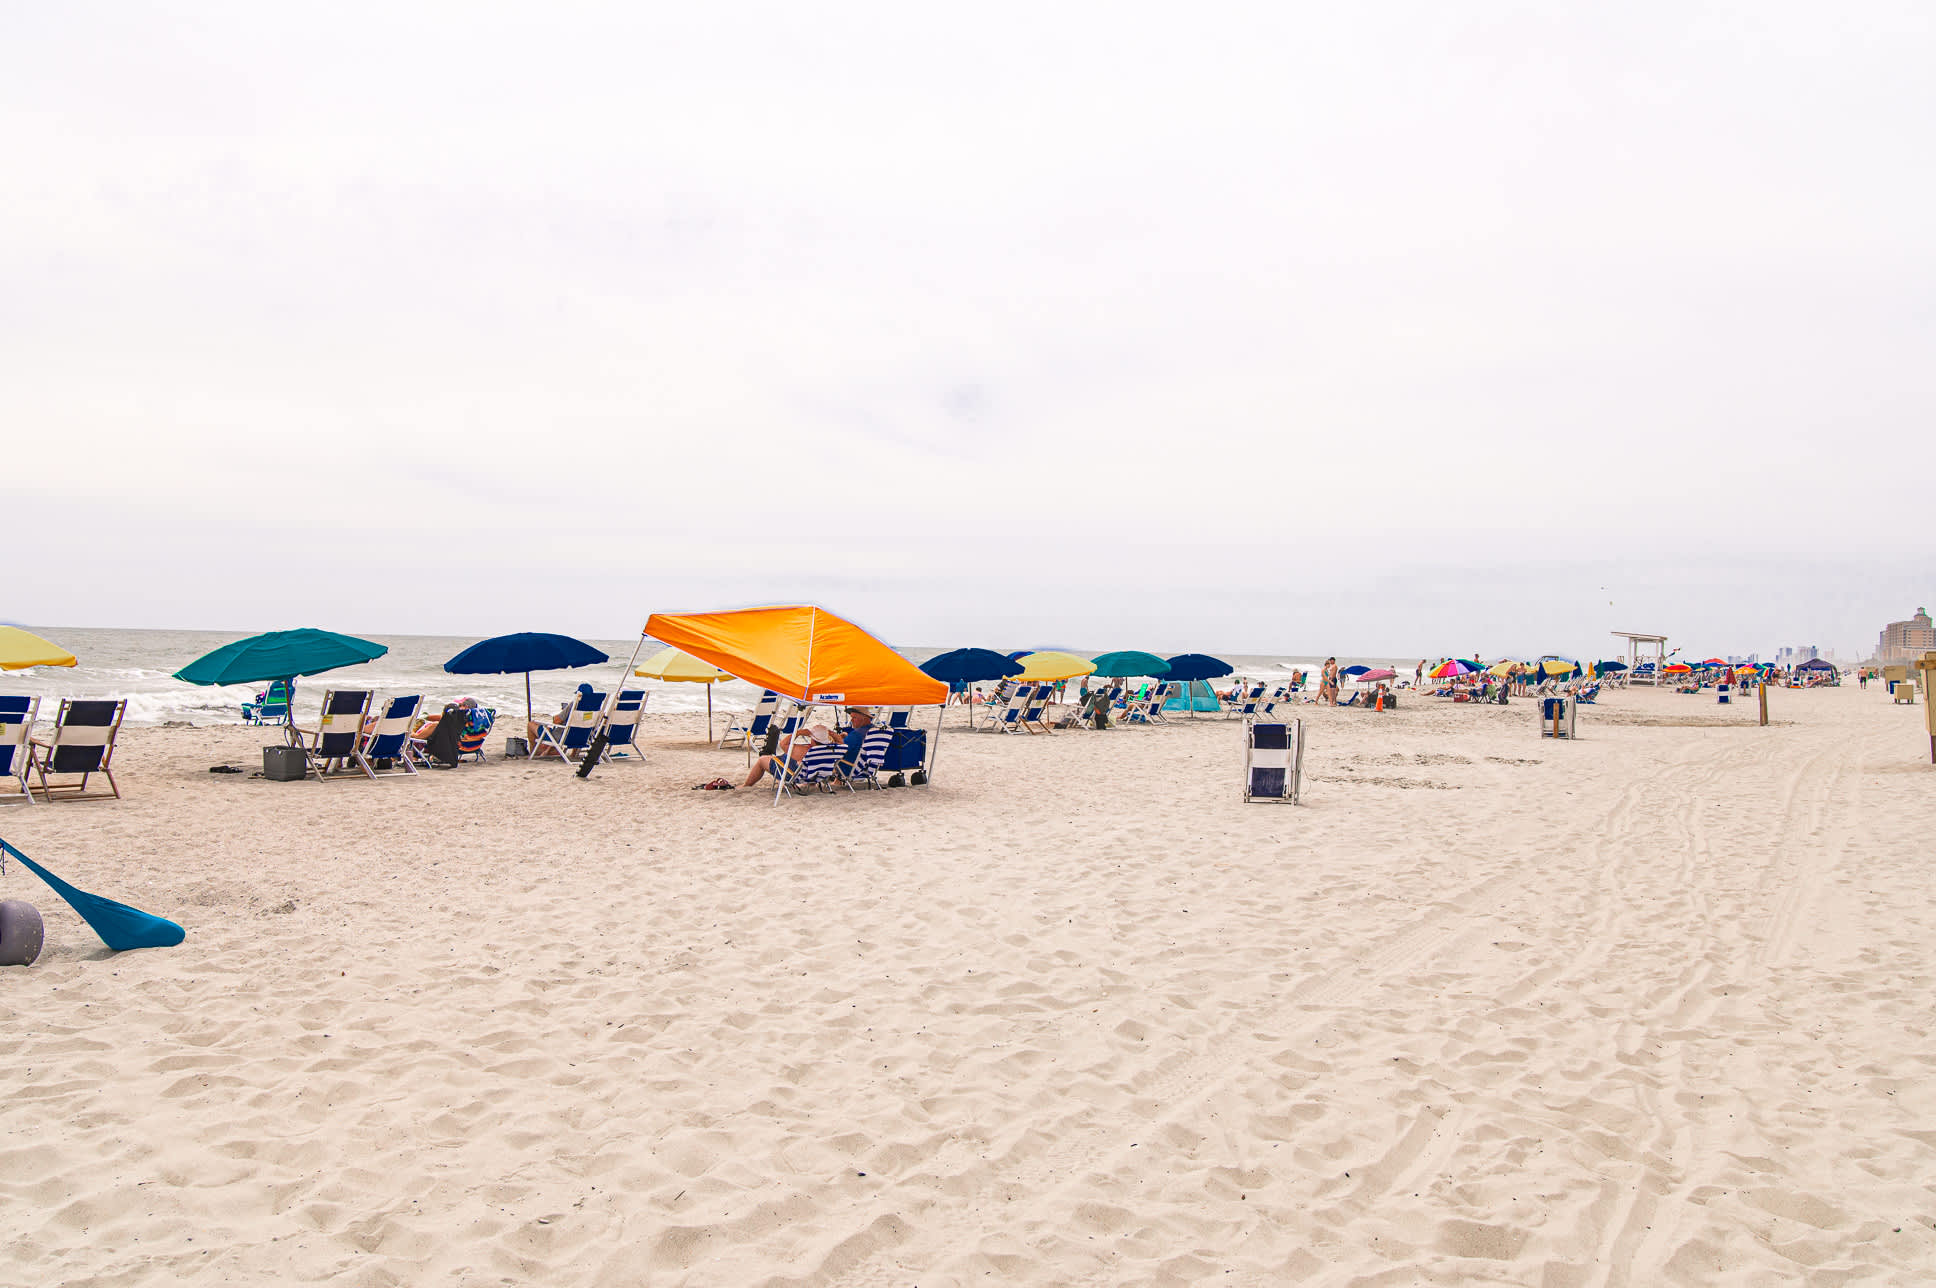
x=139 y=665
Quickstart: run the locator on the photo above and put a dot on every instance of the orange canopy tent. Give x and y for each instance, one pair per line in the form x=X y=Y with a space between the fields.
x=800 y=652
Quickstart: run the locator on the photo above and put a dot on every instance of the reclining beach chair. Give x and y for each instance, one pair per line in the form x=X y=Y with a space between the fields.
x=1246 y=701
x=749 y=729
x=271 y=706
x=1009 y=718
x=1274 y=761
x=477 y=728
x=896 y=717
x=622 y=725
x=82 y=743
x=389 y=738
x=332 y=746
x=817 y=768
x=1035 y=718
x=865 y=768
x=571 y=738
x=16 y=746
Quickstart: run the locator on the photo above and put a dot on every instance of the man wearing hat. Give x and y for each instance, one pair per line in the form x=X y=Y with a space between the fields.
x=859 y=721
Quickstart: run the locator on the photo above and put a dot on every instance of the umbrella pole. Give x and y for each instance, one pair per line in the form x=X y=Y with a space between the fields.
x=709 y=711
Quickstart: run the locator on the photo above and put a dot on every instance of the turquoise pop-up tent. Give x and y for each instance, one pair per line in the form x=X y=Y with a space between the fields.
x=1197 y=695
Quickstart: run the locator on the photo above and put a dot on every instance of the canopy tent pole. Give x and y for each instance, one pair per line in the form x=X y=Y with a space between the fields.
x=939 y=712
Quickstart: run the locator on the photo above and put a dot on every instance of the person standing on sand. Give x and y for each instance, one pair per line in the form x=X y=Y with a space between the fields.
x=1328 y=682
x=1418 y=675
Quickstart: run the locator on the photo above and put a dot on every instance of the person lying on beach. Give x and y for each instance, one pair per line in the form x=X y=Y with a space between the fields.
x=428 y=725
x=796 y=745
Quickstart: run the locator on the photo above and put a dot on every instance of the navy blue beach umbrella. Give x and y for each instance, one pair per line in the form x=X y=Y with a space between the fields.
x=970 y=666
x=1198 y=666
x=525 y=651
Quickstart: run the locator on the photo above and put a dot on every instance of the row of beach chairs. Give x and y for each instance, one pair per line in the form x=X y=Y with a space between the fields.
x=80 y=746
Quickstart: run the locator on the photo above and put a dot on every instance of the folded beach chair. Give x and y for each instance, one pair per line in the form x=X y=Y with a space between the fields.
x=750 y=728
x=1273 y=761
x=865 y=768
x=331 y=747
x=817 y=768
x=622 y=725
x=16 y=748
x=571 y=738
x=1009 y=718
x=271 y=706
x=389 y=738
x=82 y=743
x=1035 y=718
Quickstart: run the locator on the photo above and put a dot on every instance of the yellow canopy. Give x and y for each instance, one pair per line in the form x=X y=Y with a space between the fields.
x=1502 y=668
x=1051 y=665
x=680 y=668
x=800 y=651
x=21 y=649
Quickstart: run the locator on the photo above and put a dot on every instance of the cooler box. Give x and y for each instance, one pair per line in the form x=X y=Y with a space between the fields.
x=907 y=752
x=284 y=764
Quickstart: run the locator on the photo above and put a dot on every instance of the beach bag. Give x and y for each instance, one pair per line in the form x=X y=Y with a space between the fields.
x=443 y=744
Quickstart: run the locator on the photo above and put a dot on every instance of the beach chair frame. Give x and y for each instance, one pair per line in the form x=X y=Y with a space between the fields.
x=389 y=738
x=17 y=716
x=753 y=725
x=1035 y=712
x=866 y=765
x=622 y=726
x=336 y=743
x=817 y=768
x=573 y=737
x=82 y=743
x=1009 y=718
x=1273 y=761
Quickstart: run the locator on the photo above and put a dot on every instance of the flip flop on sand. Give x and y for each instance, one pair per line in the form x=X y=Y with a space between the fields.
x=716 y=785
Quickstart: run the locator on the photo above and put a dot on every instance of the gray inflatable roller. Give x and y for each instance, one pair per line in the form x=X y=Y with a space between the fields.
x=21 y=932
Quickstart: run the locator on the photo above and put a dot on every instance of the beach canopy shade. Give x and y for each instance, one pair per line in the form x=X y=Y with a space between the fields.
x=21 y=649
x=1446 y=670
x=1051 y=665
x=675 y=667
x=1198 y=666
x=279 y=655
x=970 y=666
x=801 y=652
x=1129 y=662
x=1816 y=664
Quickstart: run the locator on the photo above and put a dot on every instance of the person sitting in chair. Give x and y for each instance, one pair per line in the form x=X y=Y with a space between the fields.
x=796 y=745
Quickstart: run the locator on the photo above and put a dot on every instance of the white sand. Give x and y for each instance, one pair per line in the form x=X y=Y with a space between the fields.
x=1652 y=1007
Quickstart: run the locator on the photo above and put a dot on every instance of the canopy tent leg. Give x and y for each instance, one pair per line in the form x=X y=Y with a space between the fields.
x=940 y=713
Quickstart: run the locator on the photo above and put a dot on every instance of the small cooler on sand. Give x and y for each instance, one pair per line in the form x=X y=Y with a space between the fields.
x=1556 y=717
x=284 y=764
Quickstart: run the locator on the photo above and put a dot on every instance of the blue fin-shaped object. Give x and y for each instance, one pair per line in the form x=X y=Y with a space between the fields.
x=121 y=926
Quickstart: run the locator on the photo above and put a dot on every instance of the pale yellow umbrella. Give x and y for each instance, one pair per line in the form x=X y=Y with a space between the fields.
x=1502 y=669
x=679 y=667
x=1051 y=665
x=21 y=649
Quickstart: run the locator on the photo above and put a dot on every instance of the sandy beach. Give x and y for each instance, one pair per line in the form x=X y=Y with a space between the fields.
x=1652 y=1007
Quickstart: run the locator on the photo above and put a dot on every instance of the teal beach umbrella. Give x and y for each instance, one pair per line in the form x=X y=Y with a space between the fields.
x=279 y=655
x=1121 y=666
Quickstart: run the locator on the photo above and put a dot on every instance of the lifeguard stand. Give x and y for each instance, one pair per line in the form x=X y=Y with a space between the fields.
x=1656 y=645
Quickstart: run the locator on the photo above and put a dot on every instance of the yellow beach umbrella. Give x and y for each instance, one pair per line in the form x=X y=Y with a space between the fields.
x=1502 y=669
x=679 y=667
x=21 y=649
x=1054 y=666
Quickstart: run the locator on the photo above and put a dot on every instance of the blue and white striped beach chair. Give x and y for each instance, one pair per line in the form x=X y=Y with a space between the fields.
x=816 y=768
x=866 y=765
x=571 y=738
x=82 y=743
x=16 y=750
x=1035 y=712
x=331 y=747
x=389 y=738
x=622 y=726
x=1009 y=718
x=1249 y=701
x=750 y=729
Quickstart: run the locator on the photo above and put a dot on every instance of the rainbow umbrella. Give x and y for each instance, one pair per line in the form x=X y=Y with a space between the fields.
x=1451 y=669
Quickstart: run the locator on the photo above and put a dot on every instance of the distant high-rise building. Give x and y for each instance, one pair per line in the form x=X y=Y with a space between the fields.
x=1906 y=641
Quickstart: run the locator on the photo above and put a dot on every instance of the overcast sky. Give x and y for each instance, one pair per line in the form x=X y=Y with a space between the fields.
x=1393 y=329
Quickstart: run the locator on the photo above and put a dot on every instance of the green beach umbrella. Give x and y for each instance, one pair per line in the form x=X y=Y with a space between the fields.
x=279 y=655
x=1123 y=665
